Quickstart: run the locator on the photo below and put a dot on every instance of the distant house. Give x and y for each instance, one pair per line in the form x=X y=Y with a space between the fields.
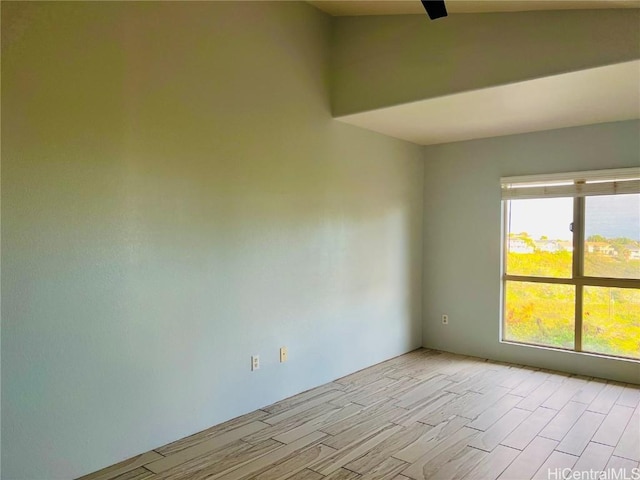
x=602 y=248
x=565 y=245
x=548 y=245
x=634 y=254
x=519 y=245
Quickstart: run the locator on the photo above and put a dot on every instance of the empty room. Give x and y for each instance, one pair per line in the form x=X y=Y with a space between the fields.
x=316 y=240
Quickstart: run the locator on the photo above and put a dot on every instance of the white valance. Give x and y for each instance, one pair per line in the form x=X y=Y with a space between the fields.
x=572 y=184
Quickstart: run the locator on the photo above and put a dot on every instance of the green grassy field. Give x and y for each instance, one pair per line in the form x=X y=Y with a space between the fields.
x=544 y=314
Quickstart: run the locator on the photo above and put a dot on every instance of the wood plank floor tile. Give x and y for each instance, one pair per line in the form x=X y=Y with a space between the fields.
x=422 y=411
x=369 y=397
x=470 y=368
x=431 y=439
x=622 y=464
x=387 y=448
x=438 y=405
x=425 y=390
x=457 y=407
x=487 y=400
x=403 y=386
x=562 y=395
x=495 y=434
x=191 y=440
x=368 y=393
x=629 y=443
x=306 y=474
x=387 y=469
x=300 y=398
x=324 y=420
x=474 y=383
x=580 y=434
x=137 y=474
x=318 y=400
x=353 y=451
x=527 y=463
x=123 y=467
x=558 y=427
x=471 y=373
x=588 y=393
x=556 y=462
x=360 y=430
x=516 y=377
x=495 y=413
x=365 y=414
x=613 y=425
x=534 y=380
x=529 y=428
x=202 y=448
x=231 y=456
x=496 y=462
x=630 y=396
x=364 y=376
x=407 y=361
x=607 y=397
x=342 y=474
x=539 y=395
x=497 y=375
x=440 y=454
x=595 y=457
x=558 y=377
x=457 y=367
x=301 y=418
x=457 y=465
x=249 y=469
x=294 y=463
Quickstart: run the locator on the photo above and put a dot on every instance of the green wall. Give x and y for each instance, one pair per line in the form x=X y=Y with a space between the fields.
x=175 y=199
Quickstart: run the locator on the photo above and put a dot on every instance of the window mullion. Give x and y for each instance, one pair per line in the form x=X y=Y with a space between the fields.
x=536 y=279
x=584 y=281
x=578 y=267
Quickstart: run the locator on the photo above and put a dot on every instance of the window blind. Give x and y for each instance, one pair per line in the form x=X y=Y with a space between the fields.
x=572 y=184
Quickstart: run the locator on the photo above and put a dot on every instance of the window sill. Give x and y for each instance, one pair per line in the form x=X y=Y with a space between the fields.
x=573 y=352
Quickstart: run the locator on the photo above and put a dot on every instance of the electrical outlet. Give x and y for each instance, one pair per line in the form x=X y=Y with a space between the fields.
x=255 y=362
x=445 y=319
x=284 y=354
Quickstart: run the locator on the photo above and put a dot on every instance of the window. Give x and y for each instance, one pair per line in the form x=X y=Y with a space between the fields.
x=571 y=266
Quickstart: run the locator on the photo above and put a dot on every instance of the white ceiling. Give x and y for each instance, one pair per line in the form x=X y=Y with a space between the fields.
x=402 y=7
x=596 y=95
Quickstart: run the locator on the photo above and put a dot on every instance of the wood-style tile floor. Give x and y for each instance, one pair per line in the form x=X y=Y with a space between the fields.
x=422 y=415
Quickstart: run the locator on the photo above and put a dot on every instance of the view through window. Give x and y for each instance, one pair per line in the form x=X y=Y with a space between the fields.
x=572 y=263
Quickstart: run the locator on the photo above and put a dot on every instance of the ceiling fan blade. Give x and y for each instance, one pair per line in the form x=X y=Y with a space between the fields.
x=435 y=8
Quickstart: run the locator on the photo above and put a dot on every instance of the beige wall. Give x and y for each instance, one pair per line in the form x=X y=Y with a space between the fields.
x=176 y=198
x=389 y=60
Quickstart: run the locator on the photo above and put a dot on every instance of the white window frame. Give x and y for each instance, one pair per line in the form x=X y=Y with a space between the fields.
x=577 y=185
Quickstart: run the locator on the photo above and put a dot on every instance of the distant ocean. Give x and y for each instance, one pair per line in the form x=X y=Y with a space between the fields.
x=613 y=217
